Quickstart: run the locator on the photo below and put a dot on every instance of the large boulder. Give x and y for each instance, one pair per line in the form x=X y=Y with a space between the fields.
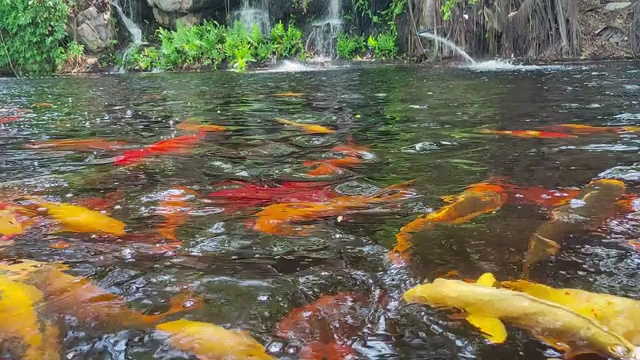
x=93 y=28
x=170 y=12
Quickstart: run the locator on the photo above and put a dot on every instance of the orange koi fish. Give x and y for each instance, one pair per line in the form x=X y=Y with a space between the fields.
x=308 y=128
x=175 y=209
x=289 y=94
x=43 y=104
x=325 y=326
x=74 y=218
x=529 y=134
x=588 y=129
x=595 y=202
x=176 y=145
x=279 y=219
x=478 y=199
x=189 y=126
x=77 y=144
x=353 y=150
x=331 y=166
x=78 y=297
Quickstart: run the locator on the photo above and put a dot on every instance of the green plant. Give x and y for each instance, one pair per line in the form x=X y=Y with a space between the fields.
x=75 y=51
x=287 y=43
x=449 y=5
x=31 y=32
x=384 y=45
x=349 y=46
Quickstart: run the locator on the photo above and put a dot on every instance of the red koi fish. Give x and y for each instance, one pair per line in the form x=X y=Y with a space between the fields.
x=105 y=203
x=176 y=145
x=255 y=195
x=529 y=134
x=326 y=326
x=537 y=195
x=8 y=119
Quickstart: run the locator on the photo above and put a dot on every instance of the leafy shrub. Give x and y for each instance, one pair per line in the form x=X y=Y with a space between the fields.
x=350 y=46
x=31 y=33
x=210 y=44
x=384 y=45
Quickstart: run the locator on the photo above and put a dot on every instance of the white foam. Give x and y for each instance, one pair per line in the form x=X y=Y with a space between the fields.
x=508 y=65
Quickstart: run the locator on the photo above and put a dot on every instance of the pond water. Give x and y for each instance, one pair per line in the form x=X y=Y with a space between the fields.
x=417 y=123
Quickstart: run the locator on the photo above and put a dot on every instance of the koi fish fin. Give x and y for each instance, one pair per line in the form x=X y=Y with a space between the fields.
x=486 y=279
x=493 y=329
x=558 y=345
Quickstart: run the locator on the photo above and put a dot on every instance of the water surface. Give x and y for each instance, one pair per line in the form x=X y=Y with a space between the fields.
x=420 y=123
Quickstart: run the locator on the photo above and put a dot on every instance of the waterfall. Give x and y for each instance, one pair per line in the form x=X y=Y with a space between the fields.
x=449 y=44
x=134 y=30
x=257 y=14
x=323 y=37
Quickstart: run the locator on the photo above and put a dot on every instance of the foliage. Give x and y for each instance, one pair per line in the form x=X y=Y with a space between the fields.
x=349 y=46
x=384 y=45
x=449 y=5
x=211 y=44
x=31 y=34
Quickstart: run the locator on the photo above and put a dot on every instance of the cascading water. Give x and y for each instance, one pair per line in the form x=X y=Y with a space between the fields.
x=256 y=14
x=132 y=27
x=323 y=37
x=449 y=44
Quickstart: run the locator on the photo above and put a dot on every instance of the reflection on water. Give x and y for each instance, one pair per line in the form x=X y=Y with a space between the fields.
x=407 y=122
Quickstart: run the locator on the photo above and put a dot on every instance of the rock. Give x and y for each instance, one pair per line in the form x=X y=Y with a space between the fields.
x=614 y=6
x=94 y=28
x=173 y=5
x=189 y=20
x=162 y=17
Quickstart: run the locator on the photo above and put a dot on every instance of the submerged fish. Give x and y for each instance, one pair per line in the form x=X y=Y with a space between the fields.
x=8 y=119
x=326 y=326
x=19 y=318
x=289 y=94
x=331 y=166
x=79 y=297
x=176 y=145
x=588 y=129
x=255 y=195
x=212 y=342
x=620 y=315
x=175 y=209
x=478 y=199
x=281 y=219
x=529 y=134
x=79 y=219
x=190 y=126
x=77 y=144
x=106 y=203
x=538 y=195
x=594 y=203
x=308 y=128
x=488 y=308
x=14 y=220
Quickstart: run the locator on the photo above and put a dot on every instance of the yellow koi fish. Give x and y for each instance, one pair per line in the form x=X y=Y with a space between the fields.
x=19 y=319
x=308 y=128
x=489 y=308
x=594 y=203
x=478 y=199
x=13 y=221
x=212 y=342
x=620 y=315
x=74 y=218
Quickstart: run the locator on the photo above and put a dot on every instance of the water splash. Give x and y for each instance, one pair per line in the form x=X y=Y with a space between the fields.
x=508 y=65
x=294 y=66
x=258 y=14
x=322 y=39
x=449 y=44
